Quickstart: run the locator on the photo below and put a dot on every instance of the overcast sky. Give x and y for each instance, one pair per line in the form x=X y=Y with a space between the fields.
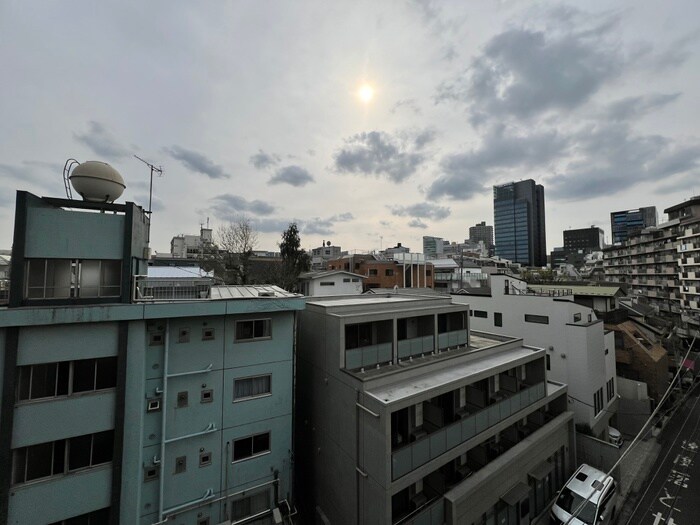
x=252 y=108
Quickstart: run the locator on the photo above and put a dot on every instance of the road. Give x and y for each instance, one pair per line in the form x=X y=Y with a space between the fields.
x=672 y=493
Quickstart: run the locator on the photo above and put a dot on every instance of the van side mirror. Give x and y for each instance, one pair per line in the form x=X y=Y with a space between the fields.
x=601 y=517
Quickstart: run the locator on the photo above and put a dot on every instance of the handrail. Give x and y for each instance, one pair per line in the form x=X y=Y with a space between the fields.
x=211 y=427
x=193 y=372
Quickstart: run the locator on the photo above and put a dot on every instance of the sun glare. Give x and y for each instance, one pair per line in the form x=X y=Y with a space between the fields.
x=365 y=93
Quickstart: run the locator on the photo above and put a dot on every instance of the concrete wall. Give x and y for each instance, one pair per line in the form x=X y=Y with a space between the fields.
x=339 y=287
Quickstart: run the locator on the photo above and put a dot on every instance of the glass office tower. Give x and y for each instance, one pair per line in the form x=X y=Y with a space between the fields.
x=518 y=209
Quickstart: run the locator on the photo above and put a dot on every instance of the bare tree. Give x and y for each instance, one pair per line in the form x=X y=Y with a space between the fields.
x=236 y=241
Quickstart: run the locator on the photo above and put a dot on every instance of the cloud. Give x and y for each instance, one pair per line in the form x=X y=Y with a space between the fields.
x=318 y=226
x=35 y=172
x=342 y=217
x=417 y=223
x=293 y=175
x=634 y=107
x=609 y=158
x=423 y=210
x=524 y=72
x=468 y=173
x=424 y=138
x=269 y=225
x=262 y=160
x=197 y=162
x=228 y=206
x=156 y=205
x=102 y=142
x=409 y=104
x=380 y=154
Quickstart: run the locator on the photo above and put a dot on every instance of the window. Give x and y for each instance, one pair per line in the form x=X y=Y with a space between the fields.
x=577 y=318
x=251 y=505
x=251 y=446
x=254 y=329
x=65 y=278
x=548 y=358
x=355 y=280
x=54 y=379
x=481 y=313
x=252 y=387
x=497 y=319
x=327 y=283
x=62 y=456
x=388 y=272
x=611 y=388
x=541 y=319
x=372 y=271
x=428 y=273
x=96 y=517
x=598 y=401
x=346 y=280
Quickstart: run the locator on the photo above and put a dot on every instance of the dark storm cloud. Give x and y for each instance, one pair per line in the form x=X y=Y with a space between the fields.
x=423 y=210
x=262 y=160
x=417 y=223
x=466 y=174
x=227 y=205
x=197 y=162
x=634 y=107
x=292 y=175
x=524 y=72
x=381 y=154
x=102 y=142
x=610 y=158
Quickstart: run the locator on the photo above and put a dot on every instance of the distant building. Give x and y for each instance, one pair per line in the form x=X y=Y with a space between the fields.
x=482 y=232
x=402 y=270
x=432 y=247
x=519 y=220
x=626 y=223
x=399 y=248
x=330 y=282
x=577 y=244
x=324 y=253
x=192 y=246
x=408 y=417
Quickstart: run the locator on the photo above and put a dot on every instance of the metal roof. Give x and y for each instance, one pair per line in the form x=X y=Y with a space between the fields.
x=327 y=273
x=251 y=292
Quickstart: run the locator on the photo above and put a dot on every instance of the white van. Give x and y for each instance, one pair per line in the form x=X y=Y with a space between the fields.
x=615 y=437
x=591 y=495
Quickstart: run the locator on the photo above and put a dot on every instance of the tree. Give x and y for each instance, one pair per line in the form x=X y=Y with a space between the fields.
x=236 y=242
x=294 y=258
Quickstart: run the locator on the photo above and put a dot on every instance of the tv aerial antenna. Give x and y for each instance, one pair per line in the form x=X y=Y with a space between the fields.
x=154 y=169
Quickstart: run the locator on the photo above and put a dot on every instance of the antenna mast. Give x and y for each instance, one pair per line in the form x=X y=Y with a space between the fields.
x=159 y=171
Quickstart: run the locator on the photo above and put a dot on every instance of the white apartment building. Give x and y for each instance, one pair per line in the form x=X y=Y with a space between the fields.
x=331 y=282
x=579 y=351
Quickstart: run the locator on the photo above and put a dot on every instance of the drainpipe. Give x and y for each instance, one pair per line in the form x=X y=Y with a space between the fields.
x=164 y=401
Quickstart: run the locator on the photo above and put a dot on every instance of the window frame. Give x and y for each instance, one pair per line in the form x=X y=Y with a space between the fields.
x=267 y=320
x=536 y=319
x=256 y=396
x=252 y=441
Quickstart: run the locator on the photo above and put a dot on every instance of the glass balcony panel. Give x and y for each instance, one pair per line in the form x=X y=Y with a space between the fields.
x=353 y=358
x=428 y=343
x=532 y=391
x=369 y=355
x=482 y=421
x=453 y=435
x=437 y=443
x=405 y=348
x=494 y=414
x=384 y=353
x=402 y=462
x=421 y=452
x=468 y=428
x=504 y=408
x=437 y=513
x=443 y=341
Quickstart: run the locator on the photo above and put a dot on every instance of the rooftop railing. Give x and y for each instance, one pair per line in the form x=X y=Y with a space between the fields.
x=152 y=289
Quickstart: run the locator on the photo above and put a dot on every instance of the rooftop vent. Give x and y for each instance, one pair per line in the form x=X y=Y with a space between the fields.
x=581 y=476
x=266 y=294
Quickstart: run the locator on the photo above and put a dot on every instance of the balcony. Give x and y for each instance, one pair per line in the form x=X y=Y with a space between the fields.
x=452 y=339
x=416 y=346
x=366 y=356
x=472 y=421
x=151 y=289
x=430 y=513
x=368 y=344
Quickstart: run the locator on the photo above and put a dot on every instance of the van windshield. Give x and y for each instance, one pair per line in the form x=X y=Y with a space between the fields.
x=570 y=502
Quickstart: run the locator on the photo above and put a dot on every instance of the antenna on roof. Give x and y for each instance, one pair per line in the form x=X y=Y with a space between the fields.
x=159 y=171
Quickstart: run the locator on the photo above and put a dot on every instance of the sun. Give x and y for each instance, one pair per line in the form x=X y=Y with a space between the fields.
x=365 y=93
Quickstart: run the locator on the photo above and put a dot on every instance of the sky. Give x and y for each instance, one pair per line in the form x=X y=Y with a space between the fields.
x=253 y=109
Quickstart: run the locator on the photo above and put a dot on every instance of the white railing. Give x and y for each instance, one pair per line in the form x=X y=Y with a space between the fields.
x=151 y=289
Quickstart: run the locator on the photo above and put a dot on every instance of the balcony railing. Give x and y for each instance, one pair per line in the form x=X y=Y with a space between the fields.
x=147 y=289
x=367 y=356
x=452 y=339
x=416 y=346
x=432 y=513
x=420 y=452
